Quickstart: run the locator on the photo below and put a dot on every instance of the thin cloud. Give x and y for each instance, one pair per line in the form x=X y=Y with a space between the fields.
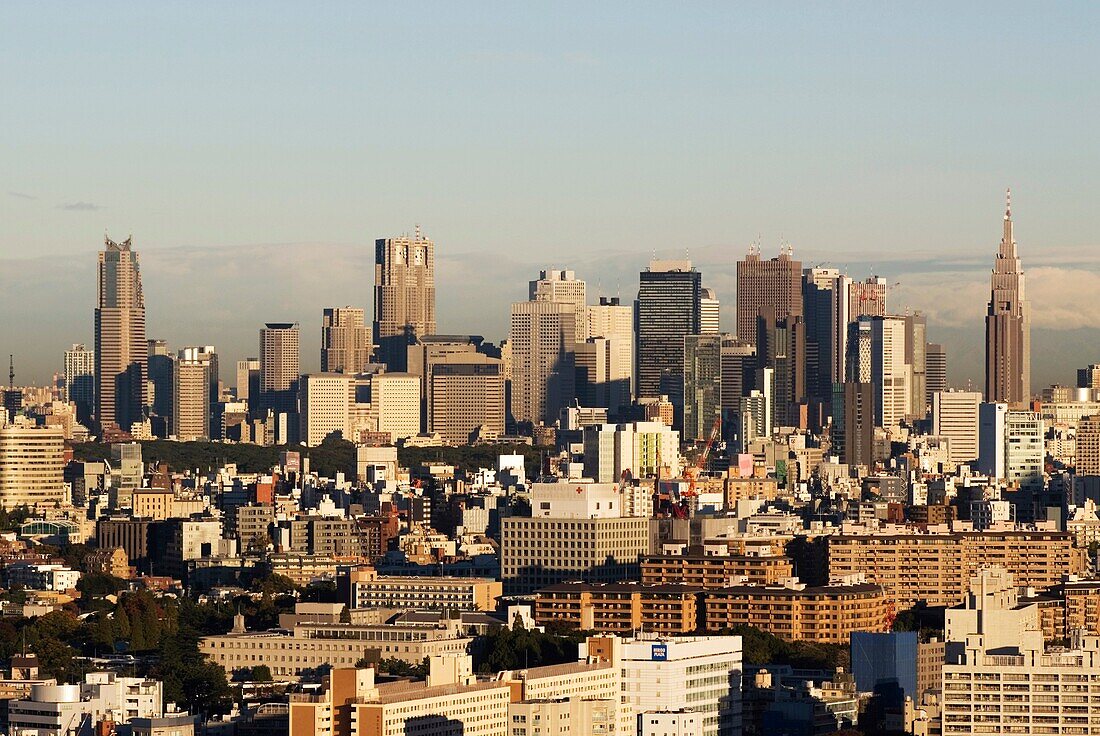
x=21 y=195
x=80 y=207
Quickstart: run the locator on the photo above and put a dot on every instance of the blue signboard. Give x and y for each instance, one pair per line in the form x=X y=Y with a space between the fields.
x=659 y=653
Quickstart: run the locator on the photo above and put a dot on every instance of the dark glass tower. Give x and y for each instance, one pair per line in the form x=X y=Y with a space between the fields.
x=667 y=311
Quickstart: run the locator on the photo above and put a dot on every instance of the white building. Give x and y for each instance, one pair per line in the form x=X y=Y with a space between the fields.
x=638 y=447
x=42 y=577
x=997 y=677
x=395 y=404
x=709 y=312
x=955 y=416
x=576 y=500
x=1025 y=452
x=542 y=336
x=74 y=710
x=564 y=287
x=702 y=673
x=325 y=406
x=685 y=722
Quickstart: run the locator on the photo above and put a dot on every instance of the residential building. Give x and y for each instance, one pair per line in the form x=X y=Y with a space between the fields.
x=640 y=448
x=120 y=346
x=620 y=608
x=370 y=590
x=712 y=571
x=194 y=393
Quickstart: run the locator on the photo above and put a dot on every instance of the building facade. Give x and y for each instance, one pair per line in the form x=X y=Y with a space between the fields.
x=120 y=346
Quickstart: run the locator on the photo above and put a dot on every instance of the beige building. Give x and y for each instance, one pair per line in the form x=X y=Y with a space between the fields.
x=467 y=395
x=936 y=568
x=404 y=295
x=111 y=561
x=32 y=467
x=370 y=590
x=325 y=407
x=620 y=608
x=192 y=374
x=1088 y=446
x=395 y=404
x=345 y=340
x=311 y=645
x=554 y=285
x=152 y=503
x=542 y=336
x=955 y=416
x=714 y=571
x=279 y=368
x=1008 y=326
x=826 y=614
x=120 y=345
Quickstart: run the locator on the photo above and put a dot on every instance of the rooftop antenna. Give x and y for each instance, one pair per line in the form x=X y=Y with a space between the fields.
x=11 y=372
x=418 y=231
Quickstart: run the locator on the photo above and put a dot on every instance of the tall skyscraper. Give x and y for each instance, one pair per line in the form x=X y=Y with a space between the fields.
x=935 y=362
x=194 y=373
x=160 y=373
x=668 y=309
x=404 y=295
x=280 y=372
x=543 y=345
x=562 y=286
x=955 y=416
x=120 y=347
x=916 y=356
x=80 y=380
x=248 y=380
x=772 y=287
x=867 y=298
x=702 y=385
x=738 y=371
x=819 y=286
x=605 y=361
x=467 y=398
x=1007 y=325
x=345 y=341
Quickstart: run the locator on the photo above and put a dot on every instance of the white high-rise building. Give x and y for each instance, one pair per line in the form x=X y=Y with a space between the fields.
x=997 y=675
x=562 y=286
x=955 y=416
x=80 y=378
x=325 y=407
x=542 y=338
x=991 y=439
x=1025 y=451
x=700 y=672
x=607 y=354
x=710 y=312
x=639 y=447
x=395 y=404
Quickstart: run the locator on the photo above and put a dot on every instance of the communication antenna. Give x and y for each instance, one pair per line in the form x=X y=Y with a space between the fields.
x=11 y=372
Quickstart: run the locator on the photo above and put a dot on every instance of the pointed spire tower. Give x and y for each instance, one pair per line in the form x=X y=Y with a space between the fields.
x=1007 y=324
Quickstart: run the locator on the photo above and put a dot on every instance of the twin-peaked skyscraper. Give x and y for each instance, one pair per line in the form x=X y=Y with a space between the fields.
x=120 y=345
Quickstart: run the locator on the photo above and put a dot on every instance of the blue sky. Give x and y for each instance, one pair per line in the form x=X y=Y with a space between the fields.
x=255 y=151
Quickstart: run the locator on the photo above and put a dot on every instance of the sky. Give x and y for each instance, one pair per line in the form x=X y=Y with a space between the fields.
x=255 y=151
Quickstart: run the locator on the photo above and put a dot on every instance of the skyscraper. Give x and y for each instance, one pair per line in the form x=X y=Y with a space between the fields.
x=772 y=287
x=160 y=372
x=562 y=286
x=668 y=310
x=279 y=372
x=935 y=361
x=120 y=347
x=404 y=295
x=702 y=385
x=605 y=361
x=819 y=286
x=80 y=380
x=248 y=380
x=543 y=344
x=1007 y=325
x=710 y=312
x=345 y=342
x=193 y=372
x=916 y=356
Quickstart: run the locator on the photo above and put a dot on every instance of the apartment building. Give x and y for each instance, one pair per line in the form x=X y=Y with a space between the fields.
x=936 y=568
x=714 y=571
x=826 y=614
x=620 y=607
x=32 y=467
x=997 y=677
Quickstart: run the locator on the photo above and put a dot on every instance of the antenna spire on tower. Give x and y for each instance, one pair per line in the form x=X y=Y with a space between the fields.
x=1008 y=203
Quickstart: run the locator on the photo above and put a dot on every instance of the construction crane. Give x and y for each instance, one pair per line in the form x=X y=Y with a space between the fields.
x=693 y=472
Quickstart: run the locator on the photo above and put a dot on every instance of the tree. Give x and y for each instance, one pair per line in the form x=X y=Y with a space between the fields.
x=261 y=673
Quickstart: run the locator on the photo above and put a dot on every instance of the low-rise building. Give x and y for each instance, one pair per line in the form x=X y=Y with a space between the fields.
x=112 y=561
x=620 y=607
x=714 y=571
x=370 y=590
x=42 y=576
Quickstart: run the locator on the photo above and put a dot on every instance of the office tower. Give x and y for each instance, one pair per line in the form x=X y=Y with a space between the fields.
x=667 y=310
x=1089 y=377
x=738 y=371
x=80 y=380
x=562 y=286
x=160 y=374
x=916 y=357
x=279 y=374
x=877 y=355
x=32 y=467
x=955 y=416
x=998 y=676
x=819 y=286
x=542 y=339
x=404 y=295
x=1025 y=452
x=395 y=404
x=991 y=439
x=935 y=367
x=120 y=347
x=609 y=363
x=248 y=380
x=867 y=298
x=467 y=398
x=427 y=350
x=662 y=673
x=781 y=346
x=710 y=312
x=325 y=403
x=1088 y=446
x=1007 y=325
x=345 y=341
x=855 y=424
x=192 y=375
x=702 y=385
x=766 y=288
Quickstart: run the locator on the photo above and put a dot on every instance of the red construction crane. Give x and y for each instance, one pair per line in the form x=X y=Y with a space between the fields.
x=692 y=473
